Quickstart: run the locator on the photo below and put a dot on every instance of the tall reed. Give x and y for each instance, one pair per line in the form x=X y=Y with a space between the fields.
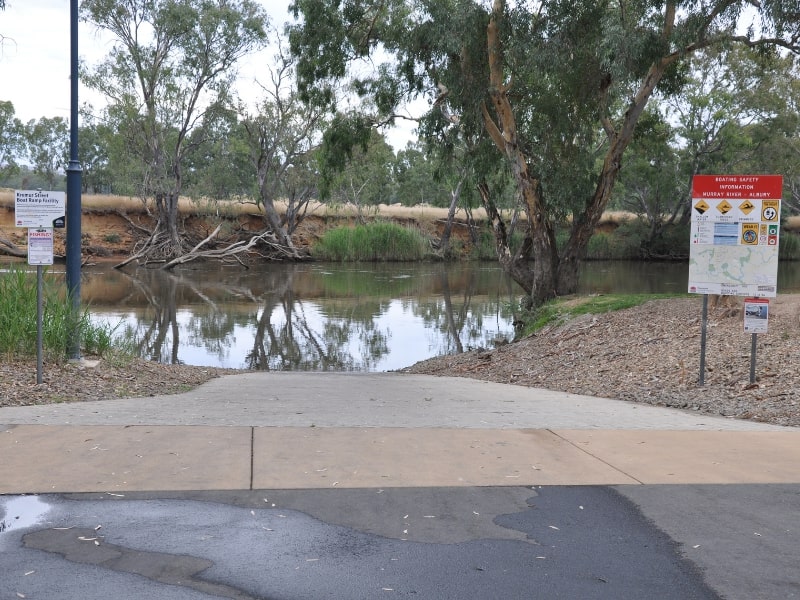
x=379 y=241
x=18 y=313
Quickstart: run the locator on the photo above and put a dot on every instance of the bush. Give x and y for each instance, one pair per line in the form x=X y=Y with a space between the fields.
x=375 y=242
x=18 y=327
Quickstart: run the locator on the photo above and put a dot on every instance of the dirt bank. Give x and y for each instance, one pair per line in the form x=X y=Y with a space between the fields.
x=111 y=226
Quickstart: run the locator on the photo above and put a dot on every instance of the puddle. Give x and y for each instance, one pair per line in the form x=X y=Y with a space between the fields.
x=21 y=511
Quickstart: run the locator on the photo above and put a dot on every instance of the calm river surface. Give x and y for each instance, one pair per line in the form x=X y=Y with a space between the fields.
x=334 y=317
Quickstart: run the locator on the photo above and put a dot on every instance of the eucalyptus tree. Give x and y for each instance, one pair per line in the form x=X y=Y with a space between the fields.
x=281 y=137
x=218 y=169
x=555 y=87
x=171 y=62
x=47 y=147
x=95 y=140
x=10 y=139
x=366 y=179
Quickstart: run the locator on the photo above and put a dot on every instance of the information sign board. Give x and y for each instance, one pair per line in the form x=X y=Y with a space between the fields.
x=735 y=234
x=40 y=246
x=36 y=208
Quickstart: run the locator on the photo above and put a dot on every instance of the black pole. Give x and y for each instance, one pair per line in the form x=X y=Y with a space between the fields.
x=74 y=195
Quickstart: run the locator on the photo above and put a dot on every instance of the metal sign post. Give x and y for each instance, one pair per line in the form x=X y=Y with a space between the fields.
x=40 y=252
x=756 y=320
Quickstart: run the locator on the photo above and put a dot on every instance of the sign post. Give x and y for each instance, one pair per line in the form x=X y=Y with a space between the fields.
x=756 y=320
x=39 y=211
x=734 y=240
x=40 y=252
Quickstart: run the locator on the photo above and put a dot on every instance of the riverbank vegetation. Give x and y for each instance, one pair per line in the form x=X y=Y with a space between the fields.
x=379 y=241
x=555 y=313
x=18 y=320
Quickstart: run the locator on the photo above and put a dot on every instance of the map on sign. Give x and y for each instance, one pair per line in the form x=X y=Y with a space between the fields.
x=734 y=235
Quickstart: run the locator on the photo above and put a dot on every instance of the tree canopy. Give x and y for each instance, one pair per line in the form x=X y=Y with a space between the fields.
x=172 y=63
x=554 y=89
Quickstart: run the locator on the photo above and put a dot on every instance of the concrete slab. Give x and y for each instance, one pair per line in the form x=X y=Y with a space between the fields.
x=299 y=399
x=313 y=458
x=689 y=457
x=45 y=459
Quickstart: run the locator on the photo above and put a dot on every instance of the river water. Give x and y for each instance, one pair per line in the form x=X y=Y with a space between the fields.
x=335 y=317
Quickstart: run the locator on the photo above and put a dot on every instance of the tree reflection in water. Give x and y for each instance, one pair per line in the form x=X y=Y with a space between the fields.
x=304 y=317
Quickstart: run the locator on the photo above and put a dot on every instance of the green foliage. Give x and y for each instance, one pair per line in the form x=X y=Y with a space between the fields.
x=47 y=143
x=633 y=239
x=377 y=241
x=11 y=139
x=95 y=140
x=172 y=63
x=557 y=312
x=18 y=328
x=345 y=135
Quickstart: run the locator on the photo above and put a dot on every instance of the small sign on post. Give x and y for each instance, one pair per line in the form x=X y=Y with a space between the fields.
x=39 y=211
x=40 y=246
x=756 y=315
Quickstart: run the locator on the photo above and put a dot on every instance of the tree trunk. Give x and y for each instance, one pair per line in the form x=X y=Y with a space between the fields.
x=540 y=282
x=273 y=220
x=584 y=224
x=444 y=242
x=517 y=264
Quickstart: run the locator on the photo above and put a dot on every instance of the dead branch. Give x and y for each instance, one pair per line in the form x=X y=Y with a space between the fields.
x=8 y=247
x=135 y=226
x=233 y=251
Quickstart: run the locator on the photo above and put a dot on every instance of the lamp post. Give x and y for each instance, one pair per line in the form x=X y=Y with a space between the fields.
x=74 y=196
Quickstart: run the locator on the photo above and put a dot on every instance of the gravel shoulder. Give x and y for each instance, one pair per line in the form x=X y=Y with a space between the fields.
x=648 y=354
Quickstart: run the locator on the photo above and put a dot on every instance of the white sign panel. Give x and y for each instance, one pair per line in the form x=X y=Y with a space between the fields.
x=40 y=246
x=734 y=235
x=36 y=208
x=756 y=315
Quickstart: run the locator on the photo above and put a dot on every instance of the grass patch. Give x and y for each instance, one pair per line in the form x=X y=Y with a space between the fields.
x=18 y=327
x=557 y=312
x=373 y=242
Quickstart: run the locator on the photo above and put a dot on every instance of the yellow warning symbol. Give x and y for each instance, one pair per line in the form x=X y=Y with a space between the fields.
x=750 y=234
x=769 y=210
x=701 y=207
x=746 y=207
x=724 y=207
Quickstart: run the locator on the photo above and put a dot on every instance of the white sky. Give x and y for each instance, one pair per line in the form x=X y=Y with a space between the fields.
x=35 y=59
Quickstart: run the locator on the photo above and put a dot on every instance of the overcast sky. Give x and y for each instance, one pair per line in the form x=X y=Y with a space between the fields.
x=35 y=58
x=35 y=54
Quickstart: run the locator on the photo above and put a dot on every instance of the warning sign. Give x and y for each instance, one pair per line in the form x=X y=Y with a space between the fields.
x=724 y=207
x=746 y=207
x=701 y=207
